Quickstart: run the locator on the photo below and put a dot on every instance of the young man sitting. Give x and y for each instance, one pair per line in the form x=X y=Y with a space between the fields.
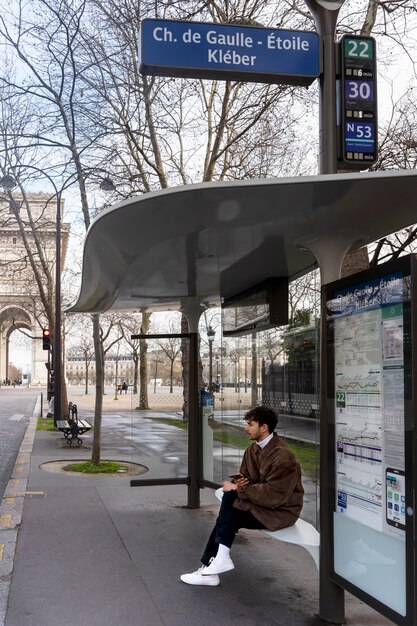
x=267 y=493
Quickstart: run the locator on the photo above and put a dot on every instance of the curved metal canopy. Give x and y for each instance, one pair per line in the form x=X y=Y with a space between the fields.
x=200 y=243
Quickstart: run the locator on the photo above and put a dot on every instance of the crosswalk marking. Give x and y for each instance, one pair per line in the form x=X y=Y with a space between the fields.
x=16 y=417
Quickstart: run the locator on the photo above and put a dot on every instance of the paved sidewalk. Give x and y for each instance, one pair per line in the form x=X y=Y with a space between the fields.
x=94 y=551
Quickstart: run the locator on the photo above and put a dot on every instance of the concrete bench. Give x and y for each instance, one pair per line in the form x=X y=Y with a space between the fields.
x=301 y=534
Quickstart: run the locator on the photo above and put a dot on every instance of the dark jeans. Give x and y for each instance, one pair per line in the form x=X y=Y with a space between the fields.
x=227 y=524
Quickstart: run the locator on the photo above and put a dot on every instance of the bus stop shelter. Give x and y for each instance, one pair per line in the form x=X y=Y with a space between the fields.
x=189 y=248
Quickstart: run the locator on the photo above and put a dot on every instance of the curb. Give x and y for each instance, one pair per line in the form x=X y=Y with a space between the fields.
x=11 y=509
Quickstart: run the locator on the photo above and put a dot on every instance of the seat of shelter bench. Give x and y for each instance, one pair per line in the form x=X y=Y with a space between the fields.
x=301 y=534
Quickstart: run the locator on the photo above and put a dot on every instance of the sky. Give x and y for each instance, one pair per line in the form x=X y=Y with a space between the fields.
x=20 y=351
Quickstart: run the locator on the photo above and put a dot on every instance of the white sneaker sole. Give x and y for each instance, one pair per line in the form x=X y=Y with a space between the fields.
x=207 y=581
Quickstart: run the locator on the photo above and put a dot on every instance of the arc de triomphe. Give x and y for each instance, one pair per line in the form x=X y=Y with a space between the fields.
x=27 y=229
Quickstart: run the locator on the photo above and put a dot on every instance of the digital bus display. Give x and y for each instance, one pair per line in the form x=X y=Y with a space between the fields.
x=358 y=124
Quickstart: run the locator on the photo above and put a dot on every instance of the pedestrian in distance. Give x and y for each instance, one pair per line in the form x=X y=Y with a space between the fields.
x=266 y=494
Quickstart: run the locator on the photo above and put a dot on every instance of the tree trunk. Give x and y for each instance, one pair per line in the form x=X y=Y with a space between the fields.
x=99 y=358
x=86 y=378
x=254 y=372
x=370 y=18
x=136 y=372
x=143 y=349
x=171 y=376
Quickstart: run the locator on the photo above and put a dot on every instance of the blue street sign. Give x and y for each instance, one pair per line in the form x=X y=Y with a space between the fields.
x=228 y=52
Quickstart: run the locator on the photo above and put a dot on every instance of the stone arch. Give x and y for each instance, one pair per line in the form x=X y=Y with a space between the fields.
x=13 y=317
x=20 y=303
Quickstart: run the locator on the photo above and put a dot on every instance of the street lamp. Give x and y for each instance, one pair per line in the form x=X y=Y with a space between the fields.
x=210 y=336
x=217 y=372
x=7 y=182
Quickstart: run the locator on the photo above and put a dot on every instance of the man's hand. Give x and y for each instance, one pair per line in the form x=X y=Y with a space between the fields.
x=242 y=482
x=237 y=482
x=229 y=486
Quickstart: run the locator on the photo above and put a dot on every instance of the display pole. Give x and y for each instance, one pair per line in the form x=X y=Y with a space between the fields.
x=325 y=12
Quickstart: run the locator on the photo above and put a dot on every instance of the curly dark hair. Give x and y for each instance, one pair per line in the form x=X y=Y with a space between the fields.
x=263 y=415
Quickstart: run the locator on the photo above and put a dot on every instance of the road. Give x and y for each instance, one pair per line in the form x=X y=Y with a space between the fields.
x=16 y=408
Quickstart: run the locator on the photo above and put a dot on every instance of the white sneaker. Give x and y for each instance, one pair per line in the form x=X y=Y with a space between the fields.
x=218 y=566
x=197 y=578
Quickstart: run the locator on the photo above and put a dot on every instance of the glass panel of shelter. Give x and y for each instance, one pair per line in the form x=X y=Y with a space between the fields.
x=278 y=368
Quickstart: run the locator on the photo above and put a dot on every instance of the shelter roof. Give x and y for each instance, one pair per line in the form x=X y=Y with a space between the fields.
x=203 y=242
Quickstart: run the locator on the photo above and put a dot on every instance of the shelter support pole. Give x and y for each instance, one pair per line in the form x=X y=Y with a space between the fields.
x=195 y=437
x=329 y=254
x=332 y=597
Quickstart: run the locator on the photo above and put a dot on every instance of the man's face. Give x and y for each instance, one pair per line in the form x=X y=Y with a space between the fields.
x=256 y=432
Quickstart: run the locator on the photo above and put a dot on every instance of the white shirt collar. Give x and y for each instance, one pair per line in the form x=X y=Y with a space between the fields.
x=264 y=442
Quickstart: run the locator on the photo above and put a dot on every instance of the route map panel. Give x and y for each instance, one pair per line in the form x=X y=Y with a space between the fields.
x=368 y=343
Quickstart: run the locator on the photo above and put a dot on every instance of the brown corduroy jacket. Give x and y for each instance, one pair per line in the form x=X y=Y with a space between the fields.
x=275 y=493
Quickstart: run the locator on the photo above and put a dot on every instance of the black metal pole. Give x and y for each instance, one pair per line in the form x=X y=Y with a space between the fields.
x=210 y=380
x=325 y=14
x=194 y=427
x=57 y=333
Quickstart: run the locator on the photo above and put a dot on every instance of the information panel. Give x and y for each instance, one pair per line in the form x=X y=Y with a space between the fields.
x=228 y=52
x=358 y=102
x=368 y=324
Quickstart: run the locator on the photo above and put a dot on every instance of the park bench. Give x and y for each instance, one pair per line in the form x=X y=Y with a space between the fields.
x=301 y=534
x=73 y=429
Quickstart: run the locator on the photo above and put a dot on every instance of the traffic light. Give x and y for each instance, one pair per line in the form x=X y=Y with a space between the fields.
x=46 y=339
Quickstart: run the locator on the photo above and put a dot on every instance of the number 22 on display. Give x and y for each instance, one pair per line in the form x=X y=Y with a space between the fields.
x=358 y=49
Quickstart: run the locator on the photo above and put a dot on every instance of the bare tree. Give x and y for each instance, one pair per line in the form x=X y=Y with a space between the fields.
x=130 y=325
x=143 y=368
x=171 y=347
x=58 y=129
x=84 y=346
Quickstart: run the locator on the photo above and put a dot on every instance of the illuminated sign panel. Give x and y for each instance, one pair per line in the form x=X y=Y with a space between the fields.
x=358 y=102
x=370 y=410
x=263 y=306
x=228 y=52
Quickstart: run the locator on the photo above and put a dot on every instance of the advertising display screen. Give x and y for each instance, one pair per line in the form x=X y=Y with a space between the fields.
x=263 y=306
x=369 y=348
